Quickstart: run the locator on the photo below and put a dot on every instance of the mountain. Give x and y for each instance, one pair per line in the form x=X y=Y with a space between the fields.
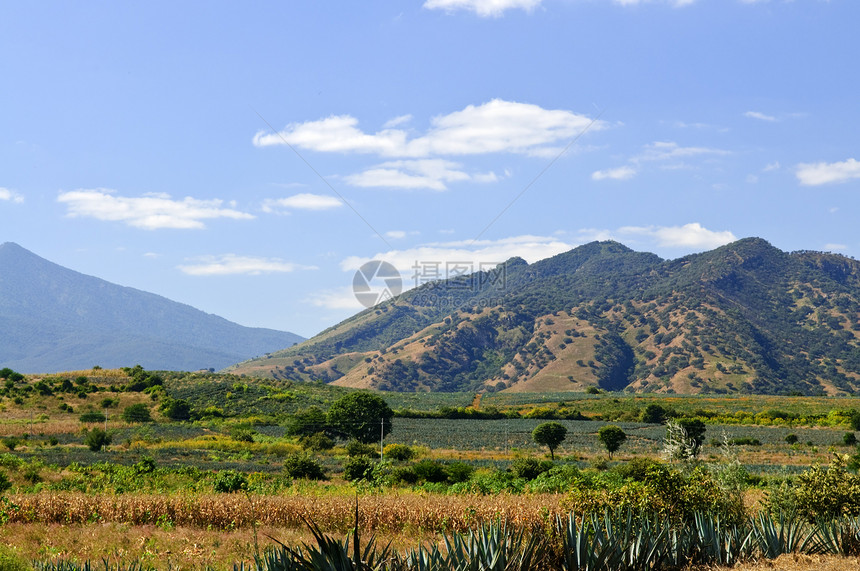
x=56 y=319
x=743 y=318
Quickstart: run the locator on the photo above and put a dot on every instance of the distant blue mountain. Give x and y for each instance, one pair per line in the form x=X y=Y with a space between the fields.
x=55 y=319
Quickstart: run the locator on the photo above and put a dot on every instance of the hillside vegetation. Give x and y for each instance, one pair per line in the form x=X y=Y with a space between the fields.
x=744 y=318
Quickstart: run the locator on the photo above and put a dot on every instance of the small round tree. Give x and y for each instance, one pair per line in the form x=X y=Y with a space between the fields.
x=363 y=416
x=96 y=439
x=612 y=438
x=550 y=434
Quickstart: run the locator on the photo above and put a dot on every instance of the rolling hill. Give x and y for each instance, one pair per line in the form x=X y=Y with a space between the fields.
x=56 y=319
x=746 y=317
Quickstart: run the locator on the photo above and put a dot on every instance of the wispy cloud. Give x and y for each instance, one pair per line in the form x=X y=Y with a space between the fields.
x=670 y=150
x=231 y=264
x=432 y=174
x=620 y=173
x=483 y=8
x=815 y=174
x=497 y=126
x=10 y=196
x=760 y=116
x=835 y=247
x=692 y=235
x=150 y=212
x=304 y=201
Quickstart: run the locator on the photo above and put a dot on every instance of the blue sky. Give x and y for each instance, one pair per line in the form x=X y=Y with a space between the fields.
x=247 y=158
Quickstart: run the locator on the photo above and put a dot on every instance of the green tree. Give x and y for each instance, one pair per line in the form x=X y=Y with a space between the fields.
x=363 y=416
x=612 y=437
x=177 y=409
x=654 y=414
x=136 y=413
x=550 y=434
x=96 y=439
x=308 y=422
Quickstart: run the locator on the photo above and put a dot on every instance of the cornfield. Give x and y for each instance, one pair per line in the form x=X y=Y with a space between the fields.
x=377 y=513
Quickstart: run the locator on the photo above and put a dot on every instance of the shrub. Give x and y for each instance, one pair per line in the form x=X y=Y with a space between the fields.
x=303 y=466
x=96 y=439
x=318 y=441
x=636 y=469
x=430 y=471
x=745 y=441
x=791 y=438
x=11 y=561
x=405 y=474
x=356 y=448
x=93 y=416
x=849 y=439
x=399 y=452
x=242 y=435
x=5 y=484
x=11 y=442
x=177 y=409
x=459 y=472
x=819 y=493
x=229 y=481
x=358 y=468
x=136 y=413
x=530 y=468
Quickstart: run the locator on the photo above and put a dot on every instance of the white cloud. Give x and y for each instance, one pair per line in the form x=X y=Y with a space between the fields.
x=431 y=174
x=396 y=234
x=391 y=123
x=760 y=116
x=669 y=150
x=620 y=173
x=497 y=126
x=339 y=299
x=483 y=8
x=692 y=235
x=834 y=247
x=231 y=264
x=303 y=201
x=774 y=166
x=814 y=174
x=151 y=211
x=10 y=196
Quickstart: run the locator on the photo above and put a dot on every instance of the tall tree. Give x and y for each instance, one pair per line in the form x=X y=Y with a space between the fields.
x=363 y=416
x=612 y=437
x=550 y=434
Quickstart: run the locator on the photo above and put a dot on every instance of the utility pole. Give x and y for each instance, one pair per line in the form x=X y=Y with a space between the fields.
x=381 y=436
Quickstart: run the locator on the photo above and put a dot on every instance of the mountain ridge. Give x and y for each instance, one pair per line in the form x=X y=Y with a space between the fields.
x=58 y=319
x=744 y=317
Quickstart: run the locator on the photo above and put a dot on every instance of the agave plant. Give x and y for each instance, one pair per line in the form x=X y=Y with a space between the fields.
x=720 y=543
x=783 y=534
x=839 y=536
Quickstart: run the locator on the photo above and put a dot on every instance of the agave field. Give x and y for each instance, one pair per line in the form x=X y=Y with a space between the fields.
x=135 y=469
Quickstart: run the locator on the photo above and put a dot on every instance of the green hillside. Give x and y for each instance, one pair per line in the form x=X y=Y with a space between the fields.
x=745 y=318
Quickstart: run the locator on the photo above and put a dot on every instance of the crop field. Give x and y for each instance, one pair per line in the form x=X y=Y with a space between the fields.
x=217 y=484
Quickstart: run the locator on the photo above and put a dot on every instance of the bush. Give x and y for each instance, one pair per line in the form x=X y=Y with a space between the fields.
x=177 y=409
x=849 y=439
x=636 y=469
x=242 y=435
x=791 y=438
x=430 y=471
x=11 y=442
x=530 y=468
x=745 y=441
x=94 y=416
x=303 y=466
x=96 y=439
x=399 y=452
x=459 y=472
x=229 y=481
x=819 y=493
x=358 y=468
x=5 y=484
x=405 y=474
x=136 y=413
x=318 y=441
x=356 y=448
